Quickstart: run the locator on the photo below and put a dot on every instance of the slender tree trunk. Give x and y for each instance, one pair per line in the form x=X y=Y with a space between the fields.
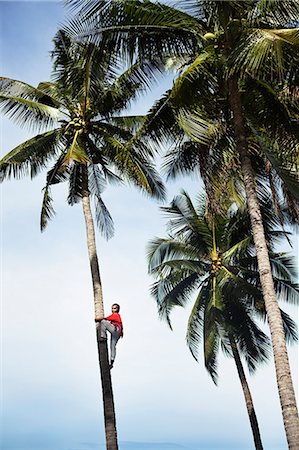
x=282 y=366
x=109 y=411
x=247 y=395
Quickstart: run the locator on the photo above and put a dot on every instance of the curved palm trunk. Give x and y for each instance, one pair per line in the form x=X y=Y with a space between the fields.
x=247 y=395
x=282 y=366
x=109 y=412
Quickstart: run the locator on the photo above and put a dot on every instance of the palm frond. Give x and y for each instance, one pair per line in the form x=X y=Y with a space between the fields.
x=96 y=154
x=76 y=151
x=240 y=287
x=198 y=73
x=211 y=341
x=45 y=93
x=47 y=210
x=184 y=220
x=96 y=180
x=86 y=8
x=283 y=159
x=163 y=254
x=127 y=86
x=128 y=123
x=263 y=51
x=52 y=94
x=58 y=174
x=238 y=250
x=174 y=290
x=195 y=323
x=75 y=184
x=103 y=218
x=97 y=184
x=283 y=266
x=31 y=156
x=274 y=13
x=31 y=113
x=290 y=328
x=135 y=167
x=182 y=159
x=160 y=125
x=100 y=127
x=253 y=343
x=198 y=128
x=134 y=27
x=286 y=290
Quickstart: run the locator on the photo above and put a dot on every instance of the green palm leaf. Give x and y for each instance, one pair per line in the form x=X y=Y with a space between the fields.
x=160 y=251
x=274 y=12
x=211 y=340
x=195 y=323
x=28 y=112
x=181 y=159
x=238 y=250
x=31 y=156
x=134 y=167
x=160 y=125
x=283 y=160
x=75 y=183
x=135 y=21
x=185 y=220
x=262 y=51
x=129 y=123
x=121 y=133
x=76 y=151
x=199 y=69
x=252 y=341
x=42 y=94
x=131 y=83
x=287 y=290
x=174 y=290
x=290 y=328
x=283 y=266
x=198 y=128
x=58 y=174
x=47 y=210
x=97 y=184
x=103 y=218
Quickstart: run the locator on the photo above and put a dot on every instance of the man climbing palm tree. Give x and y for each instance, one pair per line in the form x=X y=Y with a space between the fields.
x=114 y=325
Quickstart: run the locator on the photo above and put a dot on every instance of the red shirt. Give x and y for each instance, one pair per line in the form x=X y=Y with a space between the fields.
x=115 y=319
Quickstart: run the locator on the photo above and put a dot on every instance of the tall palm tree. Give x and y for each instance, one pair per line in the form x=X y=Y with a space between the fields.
x=253 y=39
x=84 y=136
x=215 y=261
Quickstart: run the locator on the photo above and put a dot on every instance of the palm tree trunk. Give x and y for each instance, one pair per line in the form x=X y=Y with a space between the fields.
x=247 y=395
x=282 y=366
x=109 y=411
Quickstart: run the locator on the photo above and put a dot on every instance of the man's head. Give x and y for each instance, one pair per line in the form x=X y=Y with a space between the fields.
x=115 y=308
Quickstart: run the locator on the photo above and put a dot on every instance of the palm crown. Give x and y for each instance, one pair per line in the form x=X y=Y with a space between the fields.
x=82 y=105
x=209 y=42
x=215 y=260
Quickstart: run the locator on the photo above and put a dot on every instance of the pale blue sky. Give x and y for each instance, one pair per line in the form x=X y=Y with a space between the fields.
x=50 y=381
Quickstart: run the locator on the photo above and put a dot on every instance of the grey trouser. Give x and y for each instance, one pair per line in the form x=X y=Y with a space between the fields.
x=106 y=325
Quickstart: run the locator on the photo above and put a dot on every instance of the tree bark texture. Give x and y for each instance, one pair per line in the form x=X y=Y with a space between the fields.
x=107 y=392
x=247 y=395
x=282 y=366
